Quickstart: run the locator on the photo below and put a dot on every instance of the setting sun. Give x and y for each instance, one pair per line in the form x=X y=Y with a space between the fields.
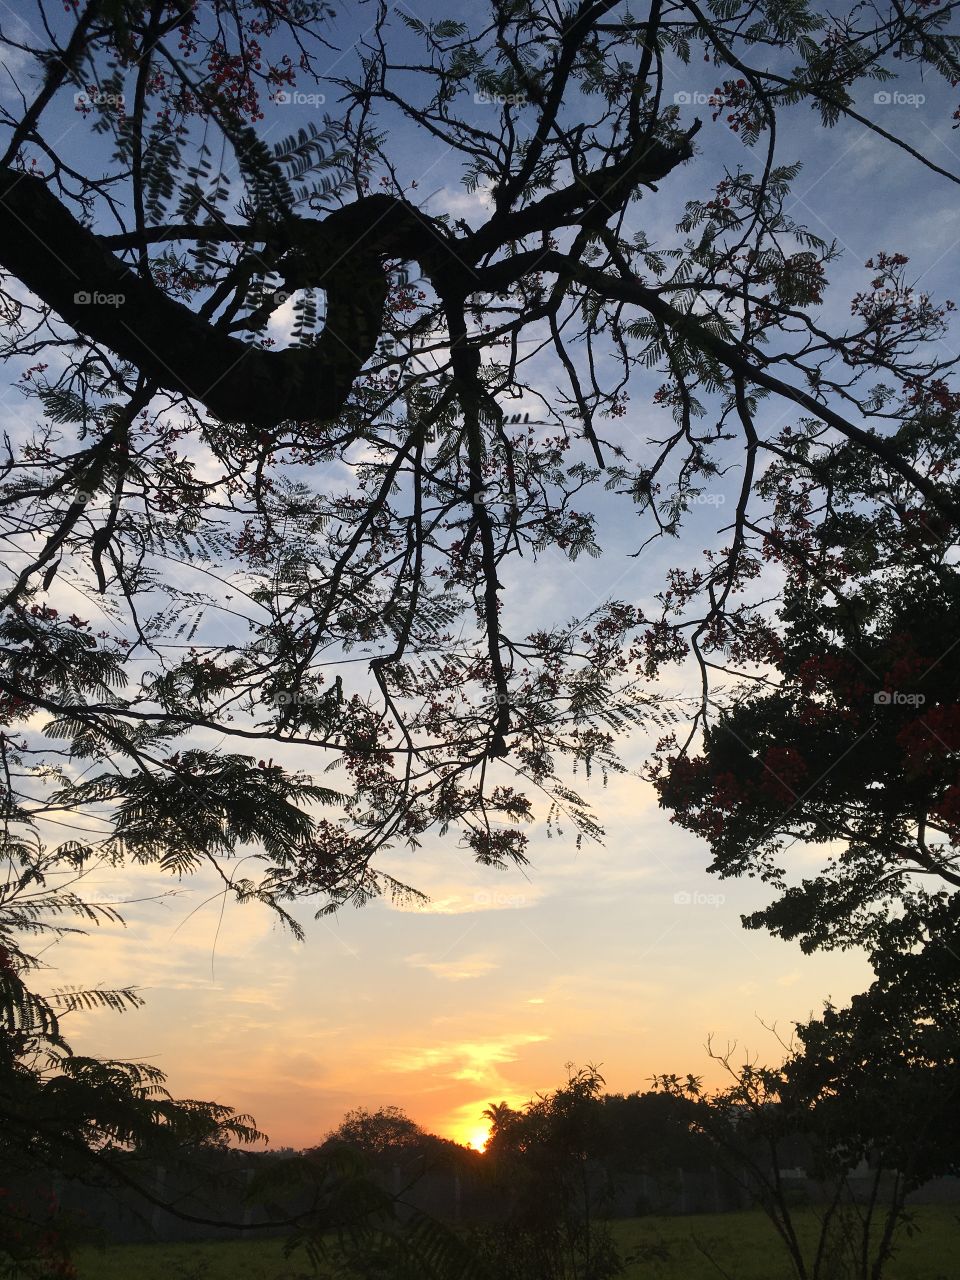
x=479 y=1139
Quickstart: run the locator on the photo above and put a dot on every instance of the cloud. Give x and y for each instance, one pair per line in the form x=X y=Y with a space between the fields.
x=188 y=938
x=462 y=899
x=465 y=204
x=475 y=1060
x=789 y=979
x=18 y=68
x=472 y=966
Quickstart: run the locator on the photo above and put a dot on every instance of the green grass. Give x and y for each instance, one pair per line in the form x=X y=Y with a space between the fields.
x=213 y=1260
x=744 y=1244
x=747 y=1248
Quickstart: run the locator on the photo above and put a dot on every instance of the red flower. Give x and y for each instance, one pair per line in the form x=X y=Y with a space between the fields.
x=783 y=774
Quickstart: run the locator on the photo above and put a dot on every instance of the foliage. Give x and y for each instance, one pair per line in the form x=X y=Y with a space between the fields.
x=648 y=1132
x=353 y=1225
x=850 y=737
x=66 y=1114
x=377 y=1133
x=545 y=1158
x=871 y=1090
x=885 y=1072
x=183 y=437
x=388 y=1141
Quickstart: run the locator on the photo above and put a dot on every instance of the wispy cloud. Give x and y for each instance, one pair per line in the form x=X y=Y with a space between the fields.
x=475 y=1060
x=457 y=970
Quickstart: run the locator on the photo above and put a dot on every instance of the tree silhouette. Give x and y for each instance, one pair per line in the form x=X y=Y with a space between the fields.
x=546 y=1158
x=871 y=1088
x=847 y=735
x=171 y=432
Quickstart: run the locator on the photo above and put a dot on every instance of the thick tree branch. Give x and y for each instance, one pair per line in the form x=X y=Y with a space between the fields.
x=68 y=267
x=73 y=271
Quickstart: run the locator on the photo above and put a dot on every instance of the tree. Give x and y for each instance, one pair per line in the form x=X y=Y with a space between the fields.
x=885 y=1072
x=848 y=735
x=650 y=1133
x=547 y=1160
x=382 y=1132
x=388 y=1141
x=169 y=428
x=69 y=1115
x=844 y=737
x=343 y=513
x=872 y=1087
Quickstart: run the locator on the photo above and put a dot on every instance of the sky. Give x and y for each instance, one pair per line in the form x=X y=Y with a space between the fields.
x=627 y=955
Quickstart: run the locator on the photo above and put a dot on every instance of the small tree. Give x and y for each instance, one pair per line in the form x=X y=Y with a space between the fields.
x=875 y=1087
x=393 y=1146
x=545 y=1159
x=69 y=1115
x=388 y=1131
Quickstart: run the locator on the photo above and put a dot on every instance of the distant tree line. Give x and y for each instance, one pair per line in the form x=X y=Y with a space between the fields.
x=381 y=1194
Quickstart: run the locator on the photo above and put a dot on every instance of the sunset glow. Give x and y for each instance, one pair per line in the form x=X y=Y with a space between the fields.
x=479 y=1139
x=639 y=994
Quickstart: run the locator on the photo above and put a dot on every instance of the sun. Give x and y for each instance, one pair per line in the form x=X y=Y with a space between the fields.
x=478 y=1139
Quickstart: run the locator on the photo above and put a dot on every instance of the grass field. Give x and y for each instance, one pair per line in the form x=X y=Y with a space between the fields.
x=747 y=1248
x=744 y=1245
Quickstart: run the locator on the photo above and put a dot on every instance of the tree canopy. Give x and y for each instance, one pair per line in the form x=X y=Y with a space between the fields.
x=351 y=504
x=850 y=738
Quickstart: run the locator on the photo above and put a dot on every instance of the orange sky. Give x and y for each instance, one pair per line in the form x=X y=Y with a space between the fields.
x=481 y=997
